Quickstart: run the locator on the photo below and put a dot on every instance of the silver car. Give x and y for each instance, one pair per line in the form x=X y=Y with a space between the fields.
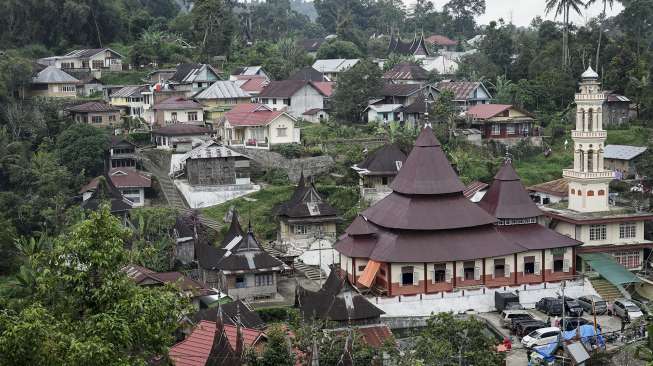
x=600 y=305
x=626 y=309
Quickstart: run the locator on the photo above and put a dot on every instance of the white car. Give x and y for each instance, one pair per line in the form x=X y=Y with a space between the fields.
x=541 y=337
x=626 y=309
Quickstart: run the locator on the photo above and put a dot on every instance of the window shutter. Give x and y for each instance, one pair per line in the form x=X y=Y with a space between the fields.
x=447 y=275
x=432 y=276
x=537 y=268
x=415 y=278
x=477 y=273
x=506 y=270
x=461 y=272
x=565 y=265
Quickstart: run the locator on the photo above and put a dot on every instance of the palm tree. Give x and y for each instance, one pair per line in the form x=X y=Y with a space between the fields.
x=606 y=3
x=563 y=7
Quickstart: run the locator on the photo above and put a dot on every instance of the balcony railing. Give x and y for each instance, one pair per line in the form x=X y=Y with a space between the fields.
x=569 y=173
x=250 y=144
x=589 y=134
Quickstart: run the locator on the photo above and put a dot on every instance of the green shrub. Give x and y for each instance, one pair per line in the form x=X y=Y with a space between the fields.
x=277 y=314
x=276 y=176
x=313 y=151
x=289 y=151
x=139 y=138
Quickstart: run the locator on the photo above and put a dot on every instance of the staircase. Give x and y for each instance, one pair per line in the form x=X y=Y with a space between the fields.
x=311 y=272
x=174 y=198
x=606 y=290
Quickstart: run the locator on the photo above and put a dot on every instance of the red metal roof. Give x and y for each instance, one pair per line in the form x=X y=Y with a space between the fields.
x=253 y=83
x=558 y=187
x=461 y=90
x=251 y=114
x=375 y=335
x=250 y=336
x=196 y=348
x=324 y=87
x=93 y=107
x=485 y=111
x=129 y=178
x=474 y=187
x=440 y=40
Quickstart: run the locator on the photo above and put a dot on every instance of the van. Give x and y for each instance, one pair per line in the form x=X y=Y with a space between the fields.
x=600 y=305
x=625 y=309
x=541 y=337
x=507 y=316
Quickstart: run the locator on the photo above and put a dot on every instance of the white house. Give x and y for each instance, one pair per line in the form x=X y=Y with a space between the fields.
x=178 y=110
x=95 y=59
x=193 y=77
x=332 y=67
x=257 y=126
x=296 y=96
x=180 y=137
x=384 y=113
x=129 y=181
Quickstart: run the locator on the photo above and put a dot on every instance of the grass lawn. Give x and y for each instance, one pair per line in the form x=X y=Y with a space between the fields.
x=538 y=168
x=263 y=222
x=635 y=135
x=123 y=77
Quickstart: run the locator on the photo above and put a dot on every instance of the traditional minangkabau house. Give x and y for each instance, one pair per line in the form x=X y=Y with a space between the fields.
x=378 y=170
x=337 y=302
x=306 y=217
x=415 y=48
x=239 y=266
x=426 y=237
x=236 y=312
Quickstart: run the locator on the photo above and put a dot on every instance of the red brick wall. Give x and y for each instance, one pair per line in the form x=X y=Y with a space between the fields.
x=438 y=287
x=407 y=290
x=462 y=283
x=499 y=281
x=549 y=275
x=528 y=278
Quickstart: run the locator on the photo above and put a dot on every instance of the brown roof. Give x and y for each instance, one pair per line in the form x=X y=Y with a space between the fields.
x=307 y=73
x=181 y=129
x=461 y=89
x=472 y=188
x=177 y=103
x=360 y=227
x=383 y=161
x=440 y=40
x=93 y=107
x=285 y=88
x=558 y=187
x=129 y=178
x=427 y=170
x=507 y=198
x=147 y=277
x=406 y=71
x=399 y=90
x=536 y=237
x=306 y=202
x=485 y=111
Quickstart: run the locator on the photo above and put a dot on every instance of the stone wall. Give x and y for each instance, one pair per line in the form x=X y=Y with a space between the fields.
x=265 y=159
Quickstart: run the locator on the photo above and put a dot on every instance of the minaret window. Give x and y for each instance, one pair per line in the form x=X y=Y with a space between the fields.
x=581 y=160
x=590 y=120
x=601 y=192
x=590 y=161
x=590 y=193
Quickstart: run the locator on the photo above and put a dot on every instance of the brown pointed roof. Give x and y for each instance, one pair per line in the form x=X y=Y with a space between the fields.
x=360 y=226
x=427 y=170
x=306 y=202
x=507 y=198
x=383 y=161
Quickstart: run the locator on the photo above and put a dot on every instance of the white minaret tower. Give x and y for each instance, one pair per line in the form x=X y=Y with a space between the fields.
x=588 y=180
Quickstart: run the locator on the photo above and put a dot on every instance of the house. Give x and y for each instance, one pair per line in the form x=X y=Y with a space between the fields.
x=51 y=82
x=616 y=109
x=176 y=110
x=148 y=278
x=441 y=64
x=179 y=136
x=337 y=302
x=239 y=266
x=622 y=159
x=130 y=182
x=250 y=71
x=220 y=97
x=90 y=87
x=306 y=217
x=311 y=45
x=252 y=84
x=104 y=191
x=466 y=93
x=416 y=48
x=378 y=170
x=308 y=73
x=193 y=78
x=214 y=343
x=406 y=73
x=234 y=313
x=550 y=192
x=427 y=237
x=256 y=125
x=612 y=235
x=332 y=67
x=97 y=114
x=504 y=123
x=96 y=59
x=160 y=76
x=295 y=96
x=212 y=164
x=437 y=41
x=316 y=115
x=384 y=113
x=129 y=99
x=407 y=94
x=122 y=153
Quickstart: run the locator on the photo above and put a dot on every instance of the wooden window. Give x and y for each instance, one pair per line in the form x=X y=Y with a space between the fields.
x=241 y=282
x=361 y=268
x=98 y=64
x=529 y=265
x=629 y=259
x=282 y=131
x=590 y=193
x=558 y=263
x=510 y=129
x=408 y=277
x=96 y=119
x=469 y=269
x=627 y=230
x=601 y=192
x=598 y=232
x=496 y=130
x=266 y=279
x=192 y=116
x=499 y=267
x=439 y=272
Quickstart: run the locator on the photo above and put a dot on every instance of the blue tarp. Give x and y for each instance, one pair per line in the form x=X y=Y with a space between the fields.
x=586 y=333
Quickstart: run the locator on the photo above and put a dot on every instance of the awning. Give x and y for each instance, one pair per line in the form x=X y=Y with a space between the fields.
x=369 y=274
x=608 y=268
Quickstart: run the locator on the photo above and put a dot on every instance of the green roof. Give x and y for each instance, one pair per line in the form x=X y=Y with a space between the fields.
x=608 y=268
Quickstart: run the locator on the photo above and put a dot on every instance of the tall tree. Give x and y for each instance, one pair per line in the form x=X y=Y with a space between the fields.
x=464 y=12
x=563 y=7
x=354 y=89
x=213 y=25
x=601 y=28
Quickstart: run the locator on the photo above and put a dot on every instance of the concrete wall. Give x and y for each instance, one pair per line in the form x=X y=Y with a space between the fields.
x=251 y=290
x=612 y=235
x=55 y=91
x=106 y=118
x=181 y=116
x=303 y=100
x=211 y=172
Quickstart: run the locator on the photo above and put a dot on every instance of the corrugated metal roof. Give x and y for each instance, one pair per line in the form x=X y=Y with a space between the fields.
x=209 y=149
x=622 y=152
x=385 y=108
x=53 y=75
x=334 y=65
x=223 y=90
x=128 y=91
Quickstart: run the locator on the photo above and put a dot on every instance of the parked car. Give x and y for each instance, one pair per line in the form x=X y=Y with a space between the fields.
x=645 y=307
x=626 y=309
x=541 y=337
x=572 y=307
x=507 y=316
x=549 y=306
x=573 y=323
x=514 y=323
x=600 y=305
x=526 y=327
